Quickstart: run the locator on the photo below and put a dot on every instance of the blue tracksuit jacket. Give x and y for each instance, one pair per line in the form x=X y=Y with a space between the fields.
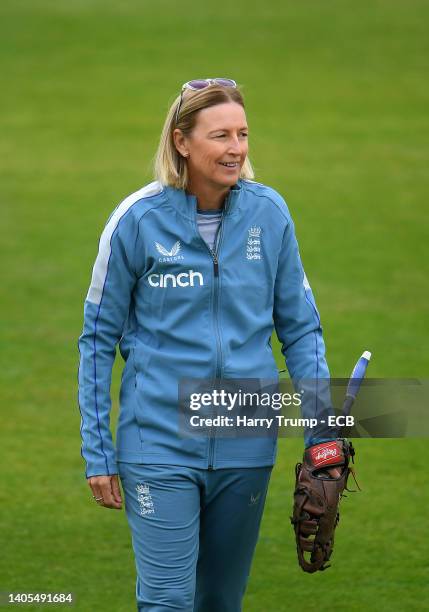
x=178 y=310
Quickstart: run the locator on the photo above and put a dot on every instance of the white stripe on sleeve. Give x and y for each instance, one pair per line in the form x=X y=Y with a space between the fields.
x=99 y=270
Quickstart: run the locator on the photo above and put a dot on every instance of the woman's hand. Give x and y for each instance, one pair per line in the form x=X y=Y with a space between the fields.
x=106 y=491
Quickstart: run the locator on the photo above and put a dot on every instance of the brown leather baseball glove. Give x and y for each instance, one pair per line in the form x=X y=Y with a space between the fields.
x=316 y=500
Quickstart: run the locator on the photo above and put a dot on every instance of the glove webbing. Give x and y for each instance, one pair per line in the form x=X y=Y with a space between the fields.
x=321 y=546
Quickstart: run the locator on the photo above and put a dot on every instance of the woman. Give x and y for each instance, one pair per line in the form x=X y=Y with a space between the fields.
x=192 y=272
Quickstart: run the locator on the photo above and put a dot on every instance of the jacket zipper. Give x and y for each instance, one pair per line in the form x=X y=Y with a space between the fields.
x=215 y=257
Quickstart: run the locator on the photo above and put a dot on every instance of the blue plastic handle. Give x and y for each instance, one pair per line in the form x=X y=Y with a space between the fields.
x=358 y=375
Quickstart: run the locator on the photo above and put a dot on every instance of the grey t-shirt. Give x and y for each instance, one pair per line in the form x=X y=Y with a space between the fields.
x=208 y=222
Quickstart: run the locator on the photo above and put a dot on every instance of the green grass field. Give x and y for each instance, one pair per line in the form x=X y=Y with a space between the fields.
x=337 y=98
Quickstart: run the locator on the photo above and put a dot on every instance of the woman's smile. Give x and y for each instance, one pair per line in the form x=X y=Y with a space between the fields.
x=230 y=165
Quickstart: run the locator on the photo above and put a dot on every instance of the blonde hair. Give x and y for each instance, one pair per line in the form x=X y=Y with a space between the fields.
x=170 y=167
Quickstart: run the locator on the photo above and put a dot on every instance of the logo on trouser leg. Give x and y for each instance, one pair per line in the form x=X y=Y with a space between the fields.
x=254 y=499
x=145 y=499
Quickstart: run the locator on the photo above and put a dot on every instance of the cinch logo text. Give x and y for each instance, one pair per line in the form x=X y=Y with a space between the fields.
x=183 y=279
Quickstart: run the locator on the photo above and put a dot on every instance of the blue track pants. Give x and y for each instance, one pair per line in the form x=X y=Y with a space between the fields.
x=194 y=532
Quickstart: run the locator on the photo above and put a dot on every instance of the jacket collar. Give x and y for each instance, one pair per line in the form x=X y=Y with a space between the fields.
x=186 y=203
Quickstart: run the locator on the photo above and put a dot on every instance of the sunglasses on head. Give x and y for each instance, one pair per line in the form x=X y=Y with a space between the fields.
x=198 y=84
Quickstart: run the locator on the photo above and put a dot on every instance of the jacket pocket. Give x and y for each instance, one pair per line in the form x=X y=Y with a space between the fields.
x=139 y=392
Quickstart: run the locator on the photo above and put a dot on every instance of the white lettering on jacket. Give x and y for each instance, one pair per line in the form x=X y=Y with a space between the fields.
x=183 y=279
